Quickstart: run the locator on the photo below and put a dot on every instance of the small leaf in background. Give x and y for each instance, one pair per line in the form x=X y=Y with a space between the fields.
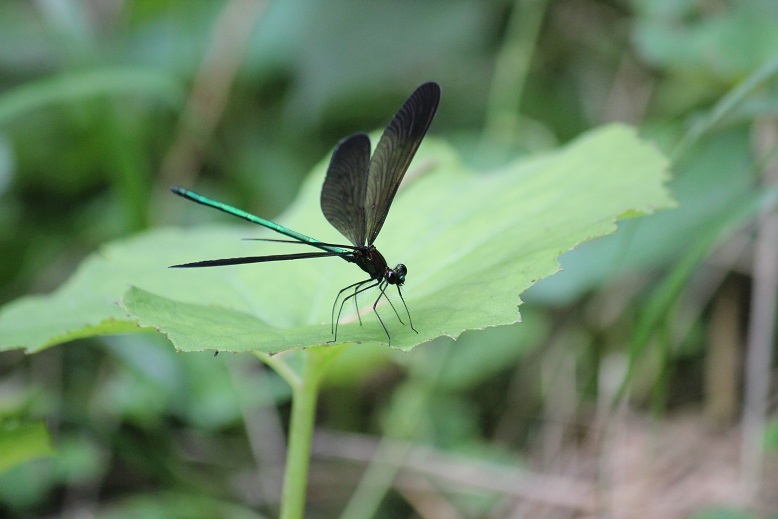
x=771 y=436
x=78 y=460
x=723 y=513
x=20 y=443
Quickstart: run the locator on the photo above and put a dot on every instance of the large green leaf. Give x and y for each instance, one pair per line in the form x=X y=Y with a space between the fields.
x=472 y=244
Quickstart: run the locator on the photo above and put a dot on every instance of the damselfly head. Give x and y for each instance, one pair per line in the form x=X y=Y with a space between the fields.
x=396 y=276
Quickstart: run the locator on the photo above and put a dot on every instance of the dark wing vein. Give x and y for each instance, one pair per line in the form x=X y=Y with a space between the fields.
x=394 y=153
x=343 y=193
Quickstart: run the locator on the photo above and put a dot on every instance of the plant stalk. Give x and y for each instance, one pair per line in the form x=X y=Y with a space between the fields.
x=305 y=391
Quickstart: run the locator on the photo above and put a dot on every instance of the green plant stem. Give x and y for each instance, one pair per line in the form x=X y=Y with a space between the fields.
x=299 y=448
x=725 y=106
x=511 y=70
x=668 y=291
x=305 y=391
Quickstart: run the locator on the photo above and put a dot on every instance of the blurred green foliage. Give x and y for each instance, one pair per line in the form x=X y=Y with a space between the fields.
x=98 y=115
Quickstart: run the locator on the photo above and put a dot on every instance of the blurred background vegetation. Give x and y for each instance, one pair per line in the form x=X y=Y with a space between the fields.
x=641 y=381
